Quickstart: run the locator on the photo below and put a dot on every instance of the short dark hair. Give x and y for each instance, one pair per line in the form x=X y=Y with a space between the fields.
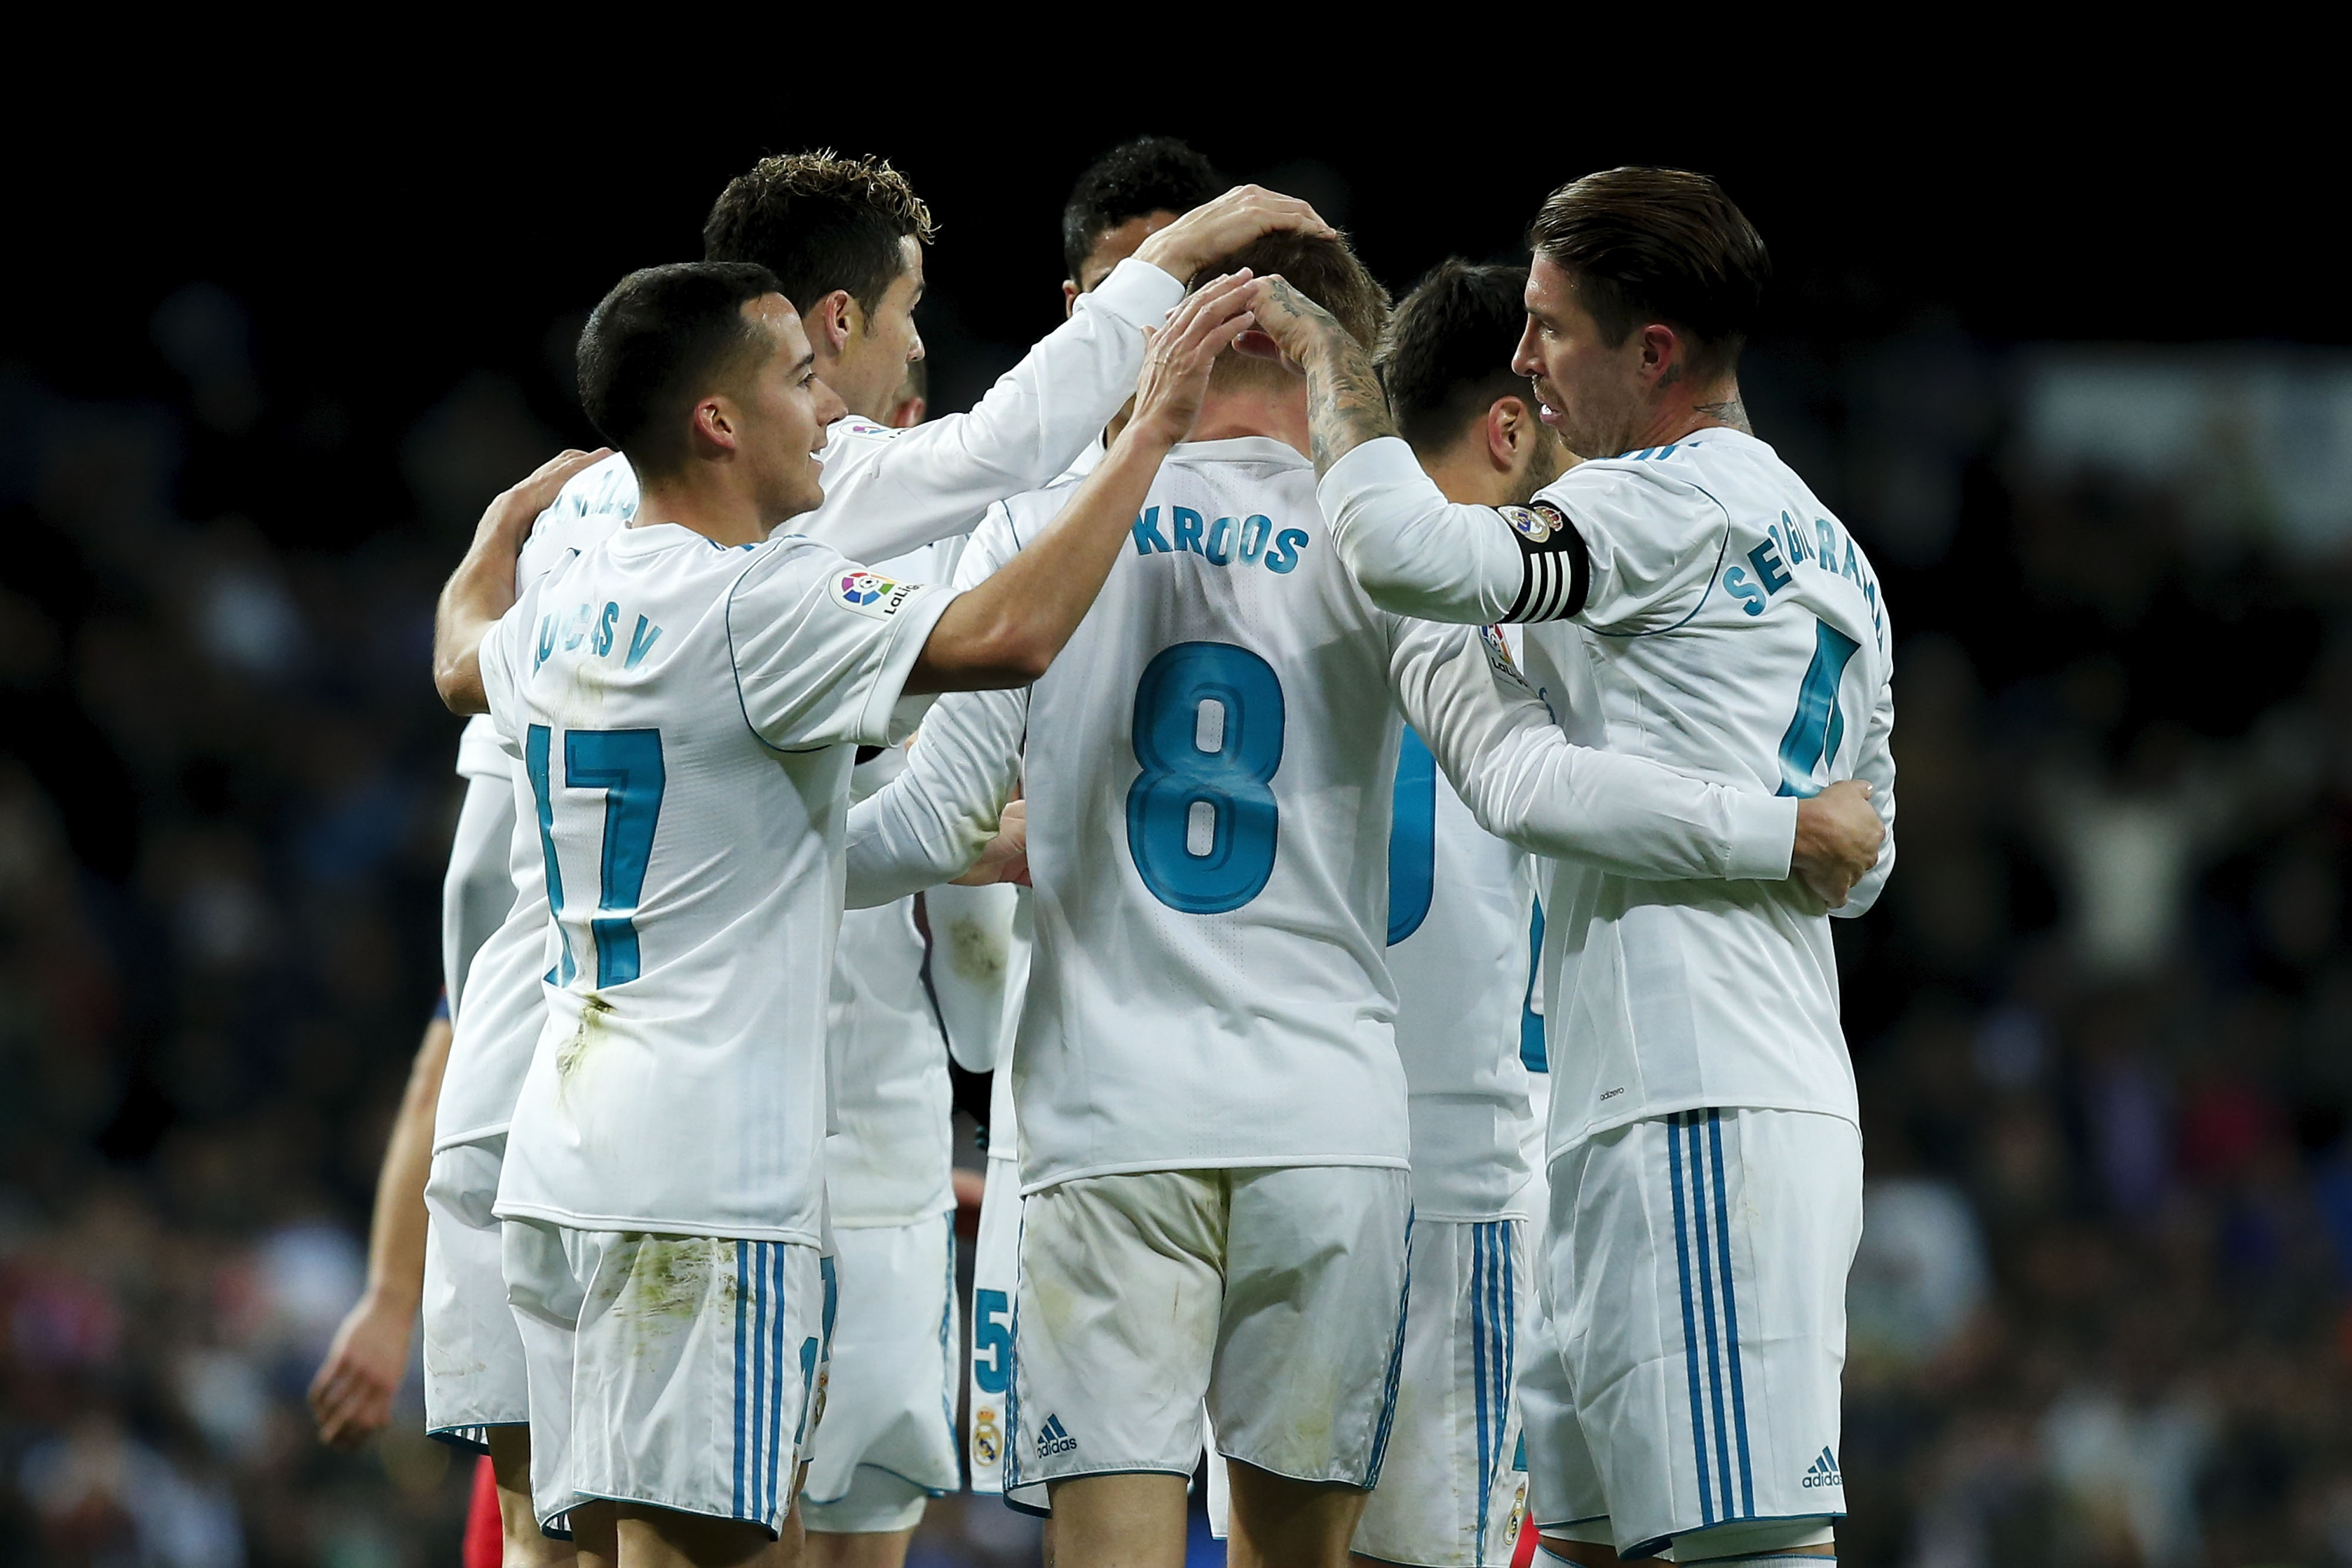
x=659 y=340
x=1133 y=180
x=1447 y=353
x=1320 y=267
x=1658 y=244
x=819 y=222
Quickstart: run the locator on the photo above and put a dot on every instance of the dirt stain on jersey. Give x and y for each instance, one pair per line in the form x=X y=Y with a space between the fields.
x=978 y=954
x=595 y=1014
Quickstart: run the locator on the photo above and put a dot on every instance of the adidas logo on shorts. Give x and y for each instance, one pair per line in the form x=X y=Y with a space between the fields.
x=1054 y=1438
x=1825 y=1473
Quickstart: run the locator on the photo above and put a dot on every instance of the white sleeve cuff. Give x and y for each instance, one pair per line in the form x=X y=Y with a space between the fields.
x=1138 y=293
x=1763 y=836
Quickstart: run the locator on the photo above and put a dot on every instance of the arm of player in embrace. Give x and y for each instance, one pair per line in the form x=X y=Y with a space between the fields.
x=1526 y=782
x=1002 y=633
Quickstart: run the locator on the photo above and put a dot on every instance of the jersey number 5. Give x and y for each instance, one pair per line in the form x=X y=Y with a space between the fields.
x=627 y=764
x=1201 y=817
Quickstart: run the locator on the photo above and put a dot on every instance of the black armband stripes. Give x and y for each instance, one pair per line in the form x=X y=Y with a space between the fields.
x=1558 y=569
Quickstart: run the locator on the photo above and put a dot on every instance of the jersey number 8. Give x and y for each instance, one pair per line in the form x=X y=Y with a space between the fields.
x=1201 y=819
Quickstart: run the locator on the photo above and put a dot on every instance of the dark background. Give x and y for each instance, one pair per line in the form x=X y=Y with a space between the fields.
x=268 y=354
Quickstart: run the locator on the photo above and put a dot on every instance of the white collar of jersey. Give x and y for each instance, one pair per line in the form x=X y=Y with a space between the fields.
x=644 y=538
x=1243 y=449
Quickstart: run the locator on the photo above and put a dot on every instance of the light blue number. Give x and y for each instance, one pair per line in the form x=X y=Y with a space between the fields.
x=627 y=764
x=1413 y=838
x=534 y=762
x=1818 y=724
x=1231 y=779
x=992 y=1340
x=1532 y=1055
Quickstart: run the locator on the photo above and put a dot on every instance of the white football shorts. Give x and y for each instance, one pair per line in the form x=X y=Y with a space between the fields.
x=1449 y=1494
x=473 y=1356
x=1695 y=1299
x=1278 y=1294
x=995 y=1278
x=889 y=1442
x=682 y=1372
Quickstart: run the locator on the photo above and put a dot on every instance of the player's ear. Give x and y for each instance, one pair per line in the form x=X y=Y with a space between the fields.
x=714 y=427
x=1509 y=432
x=831 y=321
x=1663 y=354
x=1069 y=299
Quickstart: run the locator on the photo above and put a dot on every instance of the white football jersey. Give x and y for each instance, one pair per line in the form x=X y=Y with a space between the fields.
x=887 y=491
x=1723 y=623
x=1459 y=902
x=687 y=714
x=498 y=1015
x=1208 y=774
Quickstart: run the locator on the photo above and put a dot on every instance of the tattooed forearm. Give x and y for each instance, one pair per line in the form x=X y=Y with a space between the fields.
x=1345 y=405
x=1731 y=411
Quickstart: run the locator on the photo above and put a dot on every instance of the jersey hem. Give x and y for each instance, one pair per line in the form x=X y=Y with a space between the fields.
x=1231 y=1162
x=899 y=1221
x=636 y=1225
x=1652 y=1113
x=1480 y=1216
x=482 y=1134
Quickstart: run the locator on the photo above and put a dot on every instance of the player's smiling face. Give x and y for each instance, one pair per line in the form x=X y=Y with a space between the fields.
x=1592 y=390
x=785 y=409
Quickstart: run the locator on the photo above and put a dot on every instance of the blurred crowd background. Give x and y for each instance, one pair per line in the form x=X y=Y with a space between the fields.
x=2102 y=1021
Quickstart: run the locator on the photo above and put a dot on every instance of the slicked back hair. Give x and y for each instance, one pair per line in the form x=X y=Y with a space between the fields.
x=1322 y=268
x=658 y=342
x=1658 y=244
x=1133 y=180
x=1447 y=356
x=819 y=222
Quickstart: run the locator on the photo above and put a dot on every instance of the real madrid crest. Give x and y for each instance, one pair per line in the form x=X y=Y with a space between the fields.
x=1532 y=524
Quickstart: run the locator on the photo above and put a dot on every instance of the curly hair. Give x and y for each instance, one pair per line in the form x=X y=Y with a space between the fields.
x=1133 y=180
x=819 y=222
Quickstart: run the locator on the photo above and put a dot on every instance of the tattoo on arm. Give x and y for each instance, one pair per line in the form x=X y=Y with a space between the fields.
x=1345 y=405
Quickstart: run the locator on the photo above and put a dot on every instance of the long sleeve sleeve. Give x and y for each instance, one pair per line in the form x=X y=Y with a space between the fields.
x=929 y=824
x=1526 y=783
x=1413 y=551
x=1875 y=767
x=889 y=491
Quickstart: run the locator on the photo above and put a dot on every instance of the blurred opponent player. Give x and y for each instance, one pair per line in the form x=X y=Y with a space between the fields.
x=1459 y=904
x=1213 y=1119
x=1117 y=201
x=688 y=695
x=845 y=233
x=1705 y=1160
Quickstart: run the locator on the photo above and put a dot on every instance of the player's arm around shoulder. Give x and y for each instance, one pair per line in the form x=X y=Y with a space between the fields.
x=1528 y=784
x=482 y=588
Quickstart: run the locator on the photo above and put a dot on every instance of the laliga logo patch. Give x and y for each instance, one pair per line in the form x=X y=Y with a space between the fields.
x=871 y=593
x=1499 y=656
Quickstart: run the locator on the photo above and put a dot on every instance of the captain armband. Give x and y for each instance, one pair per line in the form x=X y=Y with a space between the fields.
x=1557 y=568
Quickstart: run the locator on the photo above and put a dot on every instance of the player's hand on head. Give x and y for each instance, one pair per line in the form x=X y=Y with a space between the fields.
x=1006 y=856
x=1176 y=364
x=1294 y=322
x=1222 y=226
x=351 y=1397
x=1838 y=840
